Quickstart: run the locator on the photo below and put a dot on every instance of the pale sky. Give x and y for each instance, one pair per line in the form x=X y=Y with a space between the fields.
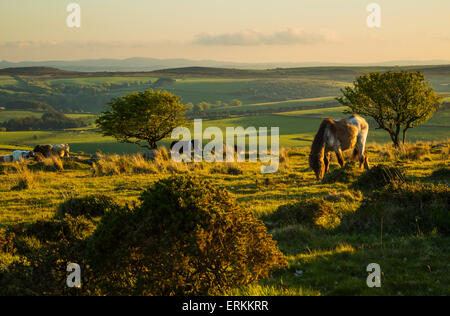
x=226 y=30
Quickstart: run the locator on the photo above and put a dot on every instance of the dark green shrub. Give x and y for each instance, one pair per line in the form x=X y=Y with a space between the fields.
x=56 y=230
x=88 y=206
x=380 y=176
x=6 y=241
x=188 y=237
x=403 y=209
x=46 y=248
x=441 y=174
x=313 y=212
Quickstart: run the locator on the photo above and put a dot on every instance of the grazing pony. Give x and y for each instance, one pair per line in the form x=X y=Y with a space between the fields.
x=18 y=156
x=21 y=155
x=59 y=150
x=339 y=136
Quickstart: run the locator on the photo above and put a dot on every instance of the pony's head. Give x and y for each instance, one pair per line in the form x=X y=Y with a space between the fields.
x=317 y=164
x=316 y=157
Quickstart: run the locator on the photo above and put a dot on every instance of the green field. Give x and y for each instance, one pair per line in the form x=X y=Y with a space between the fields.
x=297 y=129
x=7 y=115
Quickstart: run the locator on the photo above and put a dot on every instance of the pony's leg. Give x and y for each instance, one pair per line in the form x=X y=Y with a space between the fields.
x=326 y=160
x=340 y=157
x=361 y=147
x=366 y=162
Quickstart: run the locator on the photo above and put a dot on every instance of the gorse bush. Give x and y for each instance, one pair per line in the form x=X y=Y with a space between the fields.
x=6 y=241
x=189 y=237
x=88 y=206
x=313 y=212
x=57 y=230
x=45 y=248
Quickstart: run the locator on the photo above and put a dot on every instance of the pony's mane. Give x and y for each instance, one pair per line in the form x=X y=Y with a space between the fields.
x=318 y=149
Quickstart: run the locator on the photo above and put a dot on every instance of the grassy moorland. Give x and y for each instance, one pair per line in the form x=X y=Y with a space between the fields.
x=398 y=219
x=395 y=215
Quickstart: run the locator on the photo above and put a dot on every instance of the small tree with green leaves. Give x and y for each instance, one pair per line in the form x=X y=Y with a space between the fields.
x=397 y=101
x=147 y=116
x=236 y=102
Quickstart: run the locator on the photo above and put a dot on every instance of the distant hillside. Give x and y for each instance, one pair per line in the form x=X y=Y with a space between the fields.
x=153 y=64
x=78 y=92
x=35 y=71
x=330 y=72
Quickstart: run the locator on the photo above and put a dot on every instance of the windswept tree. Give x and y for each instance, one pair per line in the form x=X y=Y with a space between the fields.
x=147 y=116
x=397 y=101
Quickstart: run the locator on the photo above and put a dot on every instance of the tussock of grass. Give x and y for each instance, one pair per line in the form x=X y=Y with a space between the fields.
x=24 y=179
x=345 y=196
x=403 y=208
x=380 y=176
x=227 y=168
x=114 y=165
x=441 y=174
x=315 y=212
x=48 y=164
x=414 y=152
x=88 y=206
x=348 y=174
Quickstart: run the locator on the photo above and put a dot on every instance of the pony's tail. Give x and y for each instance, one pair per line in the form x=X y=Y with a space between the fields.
x=317 y=155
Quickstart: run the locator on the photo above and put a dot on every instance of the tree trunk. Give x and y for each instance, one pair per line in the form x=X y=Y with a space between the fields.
x=404 y=133
x=395 y=139
x=153 y=145
x=396 y=136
